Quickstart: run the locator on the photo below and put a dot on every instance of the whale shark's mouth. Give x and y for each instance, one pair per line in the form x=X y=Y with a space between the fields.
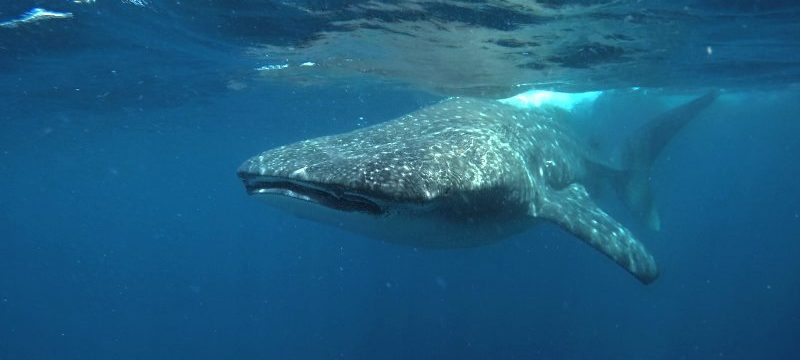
x=331 y=196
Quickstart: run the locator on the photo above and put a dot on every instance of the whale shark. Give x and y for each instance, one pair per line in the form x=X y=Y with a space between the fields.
x=469 y=172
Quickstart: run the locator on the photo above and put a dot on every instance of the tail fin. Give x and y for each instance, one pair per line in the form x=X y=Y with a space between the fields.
x=641 y=151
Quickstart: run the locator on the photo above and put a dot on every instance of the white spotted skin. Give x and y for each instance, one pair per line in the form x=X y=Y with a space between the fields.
x=460 y=173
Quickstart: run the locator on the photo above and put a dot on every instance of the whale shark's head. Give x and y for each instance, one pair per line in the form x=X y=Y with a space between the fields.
x=343 y=181
x=326 y=172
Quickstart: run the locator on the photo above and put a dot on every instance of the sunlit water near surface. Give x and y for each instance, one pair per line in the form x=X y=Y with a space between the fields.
x=125 y=234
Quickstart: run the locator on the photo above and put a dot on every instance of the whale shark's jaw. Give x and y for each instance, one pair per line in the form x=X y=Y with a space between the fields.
x=331 y=196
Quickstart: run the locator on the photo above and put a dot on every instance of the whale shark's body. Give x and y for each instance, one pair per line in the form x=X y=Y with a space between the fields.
x=465 y=172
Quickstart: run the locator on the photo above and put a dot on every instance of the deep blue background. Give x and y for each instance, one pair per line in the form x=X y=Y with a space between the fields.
x=125 y=234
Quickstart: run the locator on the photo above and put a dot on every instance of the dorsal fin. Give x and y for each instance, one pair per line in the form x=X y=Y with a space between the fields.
x=572 y=208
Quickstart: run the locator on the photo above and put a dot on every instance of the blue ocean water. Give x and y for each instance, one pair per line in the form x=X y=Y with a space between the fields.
x=125 y=233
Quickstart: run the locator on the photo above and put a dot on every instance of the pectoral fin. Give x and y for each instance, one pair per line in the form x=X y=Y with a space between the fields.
x=572 y=208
